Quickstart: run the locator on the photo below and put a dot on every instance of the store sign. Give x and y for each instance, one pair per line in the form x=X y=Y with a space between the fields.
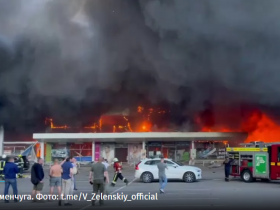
x=169 y=144
x=121 y=145
x=156 y=144
x=187 y=143
x=7 y=152
x=221 y=154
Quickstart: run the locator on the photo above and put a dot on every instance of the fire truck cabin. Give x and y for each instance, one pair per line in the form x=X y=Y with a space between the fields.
x=255 y=161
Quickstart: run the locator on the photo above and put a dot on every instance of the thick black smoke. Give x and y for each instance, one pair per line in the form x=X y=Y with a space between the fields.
x=69 y=57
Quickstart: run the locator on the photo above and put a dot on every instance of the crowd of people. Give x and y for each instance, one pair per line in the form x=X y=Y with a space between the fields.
x=62 y=177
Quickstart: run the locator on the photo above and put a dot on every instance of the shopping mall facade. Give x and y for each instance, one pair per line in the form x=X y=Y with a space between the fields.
x=133 y=146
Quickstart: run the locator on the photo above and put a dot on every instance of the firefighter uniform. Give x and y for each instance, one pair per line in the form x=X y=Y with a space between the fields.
x=227 y=164
x=2 y=165
x=118 y=173
x=20 y=166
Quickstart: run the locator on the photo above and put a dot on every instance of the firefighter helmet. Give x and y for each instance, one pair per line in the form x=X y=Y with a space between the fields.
x=115 y=160
x=4 y=156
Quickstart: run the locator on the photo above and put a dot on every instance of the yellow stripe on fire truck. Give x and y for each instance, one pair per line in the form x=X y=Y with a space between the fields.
x=245 y=149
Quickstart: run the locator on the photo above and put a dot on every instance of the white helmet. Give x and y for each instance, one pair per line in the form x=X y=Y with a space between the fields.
x=4 y=156
x=115 y=160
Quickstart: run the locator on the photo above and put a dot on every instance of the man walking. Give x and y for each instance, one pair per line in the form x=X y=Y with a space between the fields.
x=96 y=178
x=55 y=179
x=75 y=172
x=118 y=173
x=37 y=176
x=10 y=173
x=161 y=175
x=67 y=175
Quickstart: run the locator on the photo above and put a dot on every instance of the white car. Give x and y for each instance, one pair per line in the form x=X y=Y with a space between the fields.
x=147 y=171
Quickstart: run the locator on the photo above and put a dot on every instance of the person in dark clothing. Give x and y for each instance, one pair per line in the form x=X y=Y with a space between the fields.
x=37 y=177
x=67 y=175
x=10 y=173
x=96 y=178
x=227 y=164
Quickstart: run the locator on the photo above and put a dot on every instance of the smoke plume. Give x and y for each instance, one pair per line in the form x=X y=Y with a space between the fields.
x=71 y=56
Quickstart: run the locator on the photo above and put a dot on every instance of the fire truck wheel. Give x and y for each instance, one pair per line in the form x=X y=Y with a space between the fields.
x=247 y=176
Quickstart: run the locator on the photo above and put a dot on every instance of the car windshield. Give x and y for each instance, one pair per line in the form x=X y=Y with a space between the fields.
x=179 y=164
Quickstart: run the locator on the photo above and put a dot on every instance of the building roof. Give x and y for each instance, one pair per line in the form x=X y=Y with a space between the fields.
x=136 y=137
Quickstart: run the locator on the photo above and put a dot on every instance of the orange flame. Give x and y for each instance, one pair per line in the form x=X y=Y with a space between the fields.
x=266 y=129
x=259 y=126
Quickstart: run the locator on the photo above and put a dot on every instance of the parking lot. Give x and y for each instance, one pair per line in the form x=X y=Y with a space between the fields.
x=210 y=192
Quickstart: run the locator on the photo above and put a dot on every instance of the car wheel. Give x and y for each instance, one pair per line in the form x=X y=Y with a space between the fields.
x=147 y=177
x=247 y=176
x=189 y=177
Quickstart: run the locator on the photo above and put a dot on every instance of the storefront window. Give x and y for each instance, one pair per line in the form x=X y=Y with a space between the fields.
x=175 y=151
x=81 y=150
x=14 y=149
x=210 y=150
x=154 y=151
x=59 y=151
x=182 y=153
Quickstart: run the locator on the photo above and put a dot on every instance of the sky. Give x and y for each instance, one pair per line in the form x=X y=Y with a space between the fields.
x=76 y=60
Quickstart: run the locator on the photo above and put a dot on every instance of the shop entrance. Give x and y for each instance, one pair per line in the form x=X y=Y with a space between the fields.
x=121 y=154
x=169 y=152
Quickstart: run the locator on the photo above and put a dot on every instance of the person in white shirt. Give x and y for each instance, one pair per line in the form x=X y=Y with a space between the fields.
x=74 y=163
x=135 y=155
x=108 y=154
x=106 y=164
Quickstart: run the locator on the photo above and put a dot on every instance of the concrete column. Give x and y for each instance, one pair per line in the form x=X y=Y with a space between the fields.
x=144 y=152
x=143 y=144
x=193 y=154
x=93 y=151
x=42 y=150
x=193 y=145
x=1 y=140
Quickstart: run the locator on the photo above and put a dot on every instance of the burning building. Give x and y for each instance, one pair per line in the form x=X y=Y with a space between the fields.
x=165 y=60
x=254 y=125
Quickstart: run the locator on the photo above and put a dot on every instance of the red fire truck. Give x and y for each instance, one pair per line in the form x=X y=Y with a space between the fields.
x=255 y=161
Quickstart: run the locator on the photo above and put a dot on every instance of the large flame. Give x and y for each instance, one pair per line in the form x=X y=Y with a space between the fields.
x=114 y=122
x=259 y=126
x=263 y=129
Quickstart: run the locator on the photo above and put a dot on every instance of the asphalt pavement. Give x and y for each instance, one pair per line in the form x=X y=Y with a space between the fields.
x=212 y=192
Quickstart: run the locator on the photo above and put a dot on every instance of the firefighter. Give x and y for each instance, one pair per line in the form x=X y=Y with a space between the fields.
x=118 y=173
x=20 y=166
x=227 y=166
x=2 y=165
